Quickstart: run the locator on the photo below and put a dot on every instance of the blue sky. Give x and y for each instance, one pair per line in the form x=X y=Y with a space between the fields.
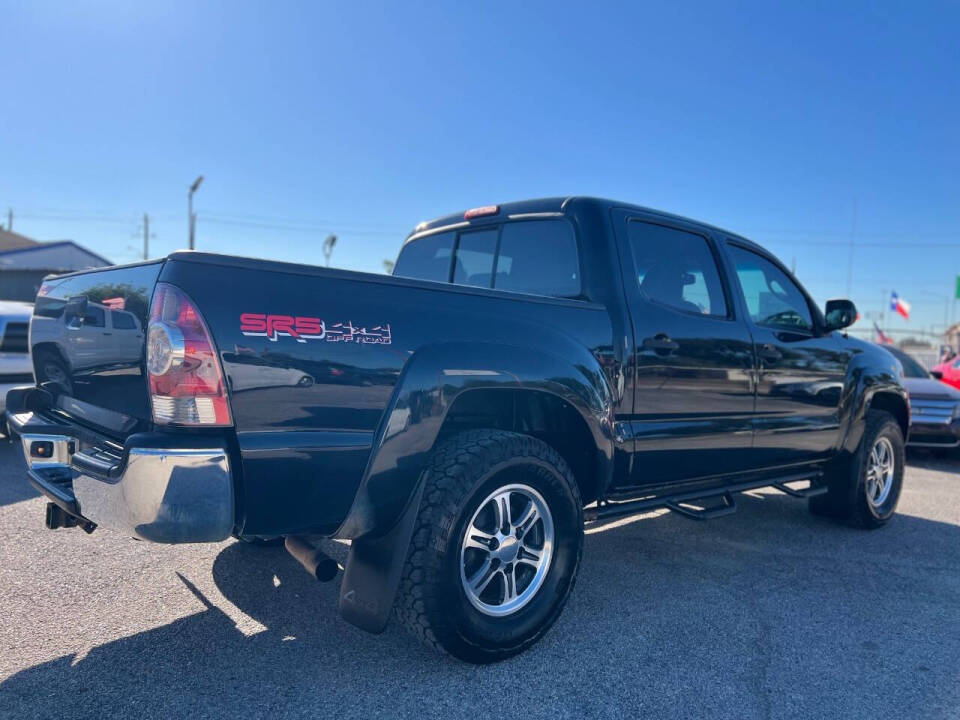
x=782 y=123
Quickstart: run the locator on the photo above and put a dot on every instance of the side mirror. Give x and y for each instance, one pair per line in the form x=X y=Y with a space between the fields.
x=840 y=313
x=936 y=375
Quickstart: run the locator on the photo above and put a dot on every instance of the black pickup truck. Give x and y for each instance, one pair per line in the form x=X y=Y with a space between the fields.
x=529 y=368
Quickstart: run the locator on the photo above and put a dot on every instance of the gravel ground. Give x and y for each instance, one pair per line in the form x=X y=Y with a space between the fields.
x=767 y=613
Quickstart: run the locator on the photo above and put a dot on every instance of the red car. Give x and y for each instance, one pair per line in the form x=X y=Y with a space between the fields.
x=948 y=372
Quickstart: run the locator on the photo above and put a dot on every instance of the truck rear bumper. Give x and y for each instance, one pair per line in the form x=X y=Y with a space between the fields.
x=176 y=494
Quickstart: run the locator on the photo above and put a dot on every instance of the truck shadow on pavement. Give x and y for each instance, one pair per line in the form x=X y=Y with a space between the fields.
x=770 y=613
x=14 y=487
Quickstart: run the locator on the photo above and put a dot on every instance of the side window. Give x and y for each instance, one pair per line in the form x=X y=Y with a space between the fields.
x=94 y=317
x=539 y=257
x=122 y=320
x=474 y=263
x=427 y=258
x=773 y=299
x=676 y=268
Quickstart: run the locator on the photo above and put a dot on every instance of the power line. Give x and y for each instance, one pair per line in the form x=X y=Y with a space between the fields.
x=299 y=227
x=372 y=224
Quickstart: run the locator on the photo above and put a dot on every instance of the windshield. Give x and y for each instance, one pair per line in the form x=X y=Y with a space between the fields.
x=911 y=368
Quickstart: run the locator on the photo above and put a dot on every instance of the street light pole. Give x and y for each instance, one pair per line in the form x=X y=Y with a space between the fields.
x=191 y=218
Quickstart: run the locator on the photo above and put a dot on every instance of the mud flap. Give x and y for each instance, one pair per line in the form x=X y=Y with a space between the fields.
x=372 y=573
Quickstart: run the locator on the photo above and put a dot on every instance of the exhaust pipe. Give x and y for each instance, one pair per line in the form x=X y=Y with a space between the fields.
x=317 y=563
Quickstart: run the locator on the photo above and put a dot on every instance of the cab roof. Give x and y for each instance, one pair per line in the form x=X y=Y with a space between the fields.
x=557 y=205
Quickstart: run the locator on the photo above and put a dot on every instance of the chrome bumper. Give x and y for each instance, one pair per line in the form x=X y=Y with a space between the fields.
x=164 y=495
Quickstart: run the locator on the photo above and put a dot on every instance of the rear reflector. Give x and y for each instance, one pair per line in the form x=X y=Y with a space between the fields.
x=186 y=382
x=481 y=211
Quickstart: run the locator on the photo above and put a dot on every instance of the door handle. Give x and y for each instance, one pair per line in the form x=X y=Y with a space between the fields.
x=769 y=354
x=660 y=344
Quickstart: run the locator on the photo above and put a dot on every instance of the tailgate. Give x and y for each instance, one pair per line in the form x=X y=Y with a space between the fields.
x=87 y=340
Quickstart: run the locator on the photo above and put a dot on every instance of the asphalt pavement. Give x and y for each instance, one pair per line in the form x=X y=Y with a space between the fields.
x=770 y=612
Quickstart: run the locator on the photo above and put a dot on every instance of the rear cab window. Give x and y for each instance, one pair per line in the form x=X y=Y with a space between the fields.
x=537 y=257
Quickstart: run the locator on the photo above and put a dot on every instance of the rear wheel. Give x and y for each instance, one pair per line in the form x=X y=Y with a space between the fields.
x=865 y=491
x=496 y=548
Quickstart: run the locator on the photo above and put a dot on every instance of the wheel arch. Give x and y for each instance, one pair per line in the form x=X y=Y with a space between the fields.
x=873 y=392
x=895 y=404
x=540 y=414
x=453 y=386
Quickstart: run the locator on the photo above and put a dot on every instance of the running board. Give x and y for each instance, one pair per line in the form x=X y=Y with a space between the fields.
x=690 y=504
x=727 y=506
x=809 y=491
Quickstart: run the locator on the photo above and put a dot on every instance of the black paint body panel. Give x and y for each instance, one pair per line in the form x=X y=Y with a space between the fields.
x=331 y=436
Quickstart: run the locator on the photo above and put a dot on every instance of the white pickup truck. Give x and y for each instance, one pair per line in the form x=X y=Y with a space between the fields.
x=65 y=345
x=15 y=368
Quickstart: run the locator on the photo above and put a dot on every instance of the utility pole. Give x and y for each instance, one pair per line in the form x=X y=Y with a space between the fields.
x=9 y=219
x=146 y=236
x=191 y=216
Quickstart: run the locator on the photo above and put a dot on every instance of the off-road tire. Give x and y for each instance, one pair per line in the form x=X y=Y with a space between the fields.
x=431 y=601
x=846 y=499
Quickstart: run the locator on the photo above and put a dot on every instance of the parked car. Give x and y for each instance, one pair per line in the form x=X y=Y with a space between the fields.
x=934 y=406
x=529 y=367
x=15 y=368
x=948 y=372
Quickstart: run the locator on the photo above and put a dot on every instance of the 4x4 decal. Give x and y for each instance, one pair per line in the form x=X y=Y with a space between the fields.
x=303 y=329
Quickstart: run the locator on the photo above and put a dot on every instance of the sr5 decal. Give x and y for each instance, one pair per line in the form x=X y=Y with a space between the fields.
x=303 y=329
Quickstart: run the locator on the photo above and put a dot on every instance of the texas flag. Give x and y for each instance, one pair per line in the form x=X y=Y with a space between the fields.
x=899 y=305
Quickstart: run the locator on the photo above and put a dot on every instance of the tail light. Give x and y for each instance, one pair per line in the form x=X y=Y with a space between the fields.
x=186 y=382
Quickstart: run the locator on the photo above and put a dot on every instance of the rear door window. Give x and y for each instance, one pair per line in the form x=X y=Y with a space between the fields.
x=676 y=268
x=122 y=320
x=94 y=317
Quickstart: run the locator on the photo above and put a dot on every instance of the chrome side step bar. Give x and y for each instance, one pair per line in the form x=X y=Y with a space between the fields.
x=700 y=505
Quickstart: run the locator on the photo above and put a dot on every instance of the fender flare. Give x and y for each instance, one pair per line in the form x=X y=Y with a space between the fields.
x=382 y=518
x=867 y=380
x=432 y=380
